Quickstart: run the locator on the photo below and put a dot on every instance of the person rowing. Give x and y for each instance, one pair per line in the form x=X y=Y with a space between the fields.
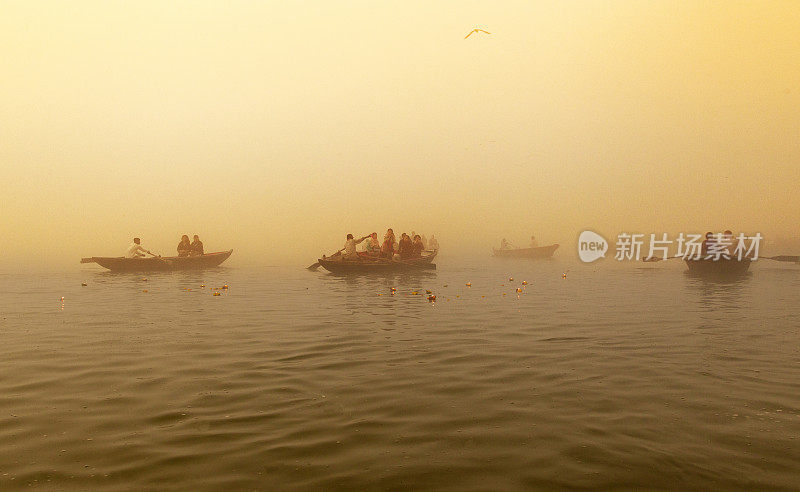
x=136 y=250
x=349 y=252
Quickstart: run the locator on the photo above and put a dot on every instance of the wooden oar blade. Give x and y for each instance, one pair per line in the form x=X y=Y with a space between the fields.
x=314 y=266
x=792 y=259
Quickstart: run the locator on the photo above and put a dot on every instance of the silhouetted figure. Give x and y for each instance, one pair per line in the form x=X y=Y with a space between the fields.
x=387 y=248
x=184 y=247
x=405 y=246
x=417 y=247
x=197 y=246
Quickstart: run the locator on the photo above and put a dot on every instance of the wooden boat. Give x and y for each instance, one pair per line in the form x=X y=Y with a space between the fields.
x=335 y=264
x=541 y=252
x=720 y=268
x=156 y=263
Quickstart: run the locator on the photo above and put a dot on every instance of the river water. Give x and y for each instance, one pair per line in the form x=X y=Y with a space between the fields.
x=629 y=376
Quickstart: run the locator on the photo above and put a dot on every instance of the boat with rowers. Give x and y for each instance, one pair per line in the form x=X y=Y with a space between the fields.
x=365 y=264
x=540 y=252
x=718 y=268
x=160 y=263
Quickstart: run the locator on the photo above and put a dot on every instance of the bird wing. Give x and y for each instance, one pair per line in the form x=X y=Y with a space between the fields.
x=468 y=35
x=481 y=30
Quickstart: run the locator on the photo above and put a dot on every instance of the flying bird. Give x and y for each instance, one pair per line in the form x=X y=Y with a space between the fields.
x=475 y=30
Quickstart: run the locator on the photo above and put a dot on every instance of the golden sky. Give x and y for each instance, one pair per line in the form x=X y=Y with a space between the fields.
x=275 y=128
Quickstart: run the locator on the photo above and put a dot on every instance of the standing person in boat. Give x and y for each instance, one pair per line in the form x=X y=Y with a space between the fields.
x=387 y=248
x=405 y=247
x=185 y=246
x=417 y=247
x=534 y=242
x=433 y=243
x=136 y=250
x=350 y=252
x=373 y=246
x=197 y=247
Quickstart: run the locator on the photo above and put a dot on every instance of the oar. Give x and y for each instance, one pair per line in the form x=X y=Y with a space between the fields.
x=656 y=258
x=162 y=260
x=791 y=259
x=317 y=265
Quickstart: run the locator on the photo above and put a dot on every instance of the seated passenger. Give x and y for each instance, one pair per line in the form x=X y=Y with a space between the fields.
x=387 y=248
x=405 y=246
x=534 y=242
x=708 y=242
x=197 y=246
x=417 y=247
x=184 y=247
x=504 y=244
x=373 y=246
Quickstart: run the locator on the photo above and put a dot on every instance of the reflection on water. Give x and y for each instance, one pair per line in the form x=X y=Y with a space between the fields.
x=610 y=377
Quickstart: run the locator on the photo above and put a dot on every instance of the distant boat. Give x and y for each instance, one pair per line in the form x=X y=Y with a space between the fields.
x=541 y=252
x=158 y=263
x=721 y=268
x=336 y=264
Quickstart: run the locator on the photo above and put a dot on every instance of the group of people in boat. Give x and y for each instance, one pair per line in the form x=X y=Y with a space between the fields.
x=725 y=241
x=406 y=248
x=185 y=248
x=194 y=248
x=507 y=245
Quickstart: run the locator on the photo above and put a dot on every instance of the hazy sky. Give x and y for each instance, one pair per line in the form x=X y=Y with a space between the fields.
x=275 y=128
